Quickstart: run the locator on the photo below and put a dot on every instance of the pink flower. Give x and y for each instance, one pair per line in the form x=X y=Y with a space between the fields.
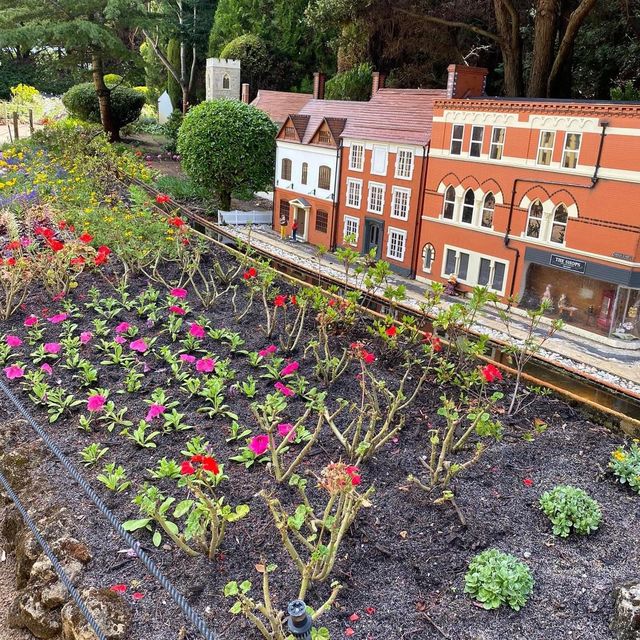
x=139 y=345
x=29 y=321
x=205 y=365
x=119 y=340
x=119 y=588
x=267 y=351
x=47 y=369
x=196 y=330
x=284 y=390
x=13 y=341
x=95 y=402
x=137 y=595
x=179 y=293
x=527 y=482
x=286 y=429
x=123 y=327
x=52 y=347
x=291 y=368
x=179 y=311
x=259 y=444
x=85 y=336
x=491 y=373
x=58 y=318
x=14 y=371
x=155 y=410
x=185 y=357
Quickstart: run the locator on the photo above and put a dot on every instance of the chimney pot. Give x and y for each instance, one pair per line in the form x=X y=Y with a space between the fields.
x=318 y=85
x=245 y=92
x=377 y=81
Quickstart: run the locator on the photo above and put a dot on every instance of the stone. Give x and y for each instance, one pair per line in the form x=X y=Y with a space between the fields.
x=625 y=623
x=27 y=612
x=27 y=552
x=109 y=610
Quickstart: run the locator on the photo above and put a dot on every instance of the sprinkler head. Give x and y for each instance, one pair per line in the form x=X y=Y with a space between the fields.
x=299 y=622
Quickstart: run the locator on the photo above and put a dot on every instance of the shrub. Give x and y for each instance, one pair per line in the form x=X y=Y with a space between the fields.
x=495 y=578
x=354 y=84
x=171 y=127
x=625 y=465
x=255 y=61
x=82 y=102
x=112 y=79
x=570 y=508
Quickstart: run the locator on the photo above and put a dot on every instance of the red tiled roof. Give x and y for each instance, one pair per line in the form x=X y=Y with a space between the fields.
x=396 y=115
x=279 y=104
x=332 y=110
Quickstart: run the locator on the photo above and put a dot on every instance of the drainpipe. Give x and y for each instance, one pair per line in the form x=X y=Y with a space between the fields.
x=593 y=183
x=426 y=148
x=336 y=199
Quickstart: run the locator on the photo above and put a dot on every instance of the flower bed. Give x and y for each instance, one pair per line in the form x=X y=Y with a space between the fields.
x=248 y=430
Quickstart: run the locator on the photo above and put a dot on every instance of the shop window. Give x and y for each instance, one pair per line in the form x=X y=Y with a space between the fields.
x=285 y=169
x=488 y=207
x=468 y=206
x=305 y=173
x=457 y=133
x=534 y=221
x=477 y=135
x=497 y=143
x=428 y=256
x=545 y=147
x=449 y=203
x=571 y=150
x=322 y=221
x=559 y=225
x=324 y=177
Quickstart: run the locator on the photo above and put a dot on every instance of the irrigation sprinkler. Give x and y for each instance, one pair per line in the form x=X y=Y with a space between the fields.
x=299 y=621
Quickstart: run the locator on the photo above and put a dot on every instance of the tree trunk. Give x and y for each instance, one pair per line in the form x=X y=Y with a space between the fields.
x=544 y=39
x=185 y=98
x=104 y=99
x=508 y=27
x=225 y=200
x=562 y=85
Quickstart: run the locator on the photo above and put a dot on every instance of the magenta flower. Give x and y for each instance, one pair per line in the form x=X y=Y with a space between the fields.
x=85 y=337
x=205 y=365
x=267 y=351
x=58 y=318
x=185 y=357
x=196 y=330
x=25 y=241
x=290 y=369
x=283 y=389
x=259 y=444
x=47 y=369
x=179 y=311
x=139 y=345
x=13 y=341
x=287 y=429
x=155 y=410
x=14 y=371
x=95 y=402
x=29 y=321
x=179 y=293
x=123 y=327
x=119 y=340
x=52 y=347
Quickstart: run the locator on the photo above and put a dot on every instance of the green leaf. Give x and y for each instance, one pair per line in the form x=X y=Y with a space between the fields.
x=237 y=608
x=157 y=538
x=231 y=589
x=134 y=525
x=182 y=508
x=245 y=586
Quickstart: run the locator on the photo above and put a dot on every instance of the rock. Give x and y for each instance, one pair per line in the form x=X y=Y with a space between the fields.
x=27 y=552
x=10 y=524
x=625 y=623
x=27 y=612
x=109 y=610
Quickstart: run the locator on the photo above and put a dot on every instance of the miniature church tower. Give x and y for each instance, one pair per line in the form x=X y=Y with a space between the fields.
x=223 y=78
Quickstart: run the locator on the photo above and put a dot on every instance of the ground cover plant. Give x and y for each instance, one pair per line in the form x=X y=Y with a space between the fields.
x=253 y=432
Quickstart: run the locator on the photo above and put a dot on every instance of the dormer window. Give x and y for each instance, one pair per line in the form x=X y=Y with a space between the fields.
x=290 y=132
x=226 y=81
x=324 y=137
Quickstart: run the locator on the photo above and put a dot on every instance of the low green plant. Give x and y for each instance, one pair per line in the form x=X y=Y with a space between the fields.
x=114 y=478
x=625 y=464
x=570 y=508
x=495 y=578
x=92 y=453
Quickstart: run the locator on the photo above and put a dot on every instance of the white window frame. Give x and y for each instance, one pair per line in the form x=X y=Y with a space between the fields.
x=497 y=145
x=433 y=257
x=541 y=229
x=399 y=165
x=576 y=151
x=472 y=141
x=386 y=159
x=445 y=202
x=552 y=223
x=391 y=232
x=454 y=139
x=492 y=272
x=345 y=231
x=358 y=183
x=352 y=165
x=383 y=188
x=400 y=190
x=473 y=267
x=483 y=208
x=541 y=148
x=464 y=206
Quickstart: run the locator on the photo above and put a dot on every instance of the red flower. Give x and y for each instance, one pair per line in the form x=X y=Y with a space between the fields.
x=101 y=258
x=15 y=244
x=85 y=237
x=118 y=588
x=104 y=250
x=55 y=245
x=293 y=300
x=353 y=473
x=137 y=595
x=367 y=357
x=279 y=301
x=354 y=617
x=62 y=224
x=77 y=260
x=527 y=482
x=491 y=373
x=332 y=303
x=176 y=222
x=370 y=610
x=161 y=198
x=250 y=273
x=210 y=464
x=11 y=262
x=43 y=231
x=391 y=331
x=186 y=468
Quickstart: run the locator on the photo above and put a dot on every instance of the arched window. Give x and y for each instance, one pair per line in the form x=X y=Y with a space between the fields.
x=285 y=170
x=534 y=222
x=305 y=172
x=324 y=177
x=488 y=207
x=559 y=225
x=449 y=203
x=468 y=206
x=226 y=81
x=428 y=256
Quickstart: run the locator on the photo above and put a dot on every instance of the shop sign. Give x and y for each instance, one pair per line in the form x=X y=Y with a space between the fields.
x=622 y=256
x=568 y=264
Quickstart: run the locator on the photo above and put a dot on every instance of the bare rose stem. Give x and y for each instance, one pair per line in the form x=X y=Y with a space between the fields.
x=177 y=539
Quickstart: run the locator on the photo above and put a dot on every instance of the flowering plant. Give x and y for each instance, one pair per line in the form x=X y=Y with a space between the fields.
x=625 y=465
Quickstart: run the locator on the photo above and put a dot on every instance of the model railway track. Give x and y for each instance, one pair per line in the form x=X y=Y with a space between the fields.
x=594 y=393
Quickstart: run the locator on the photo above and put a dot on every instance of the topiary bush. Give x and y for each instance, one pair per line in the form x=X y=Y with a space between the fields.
x=171 y=127
x=625 y=464
x=570 y=508
x=226 y=146
x=354 y=84
x=81 y=101
x=495 y=578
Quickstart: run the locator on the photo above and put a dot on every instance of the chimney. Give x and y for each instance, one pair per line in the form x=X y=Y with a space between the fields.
x=245 y=93
x=318 y=85
x=377 y=81
x=466 y=82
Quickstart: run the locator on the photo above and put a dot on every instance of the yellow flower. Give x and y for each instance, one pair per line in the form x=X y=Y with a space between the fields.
x=619 y=456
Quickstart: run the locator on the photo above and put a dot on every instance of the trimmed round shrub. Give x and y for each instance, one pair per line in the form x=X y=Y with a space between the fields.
x=81 y=102
x=625 y=464
x=570 y=508
x=495 y=578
